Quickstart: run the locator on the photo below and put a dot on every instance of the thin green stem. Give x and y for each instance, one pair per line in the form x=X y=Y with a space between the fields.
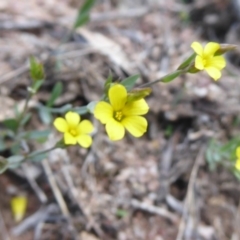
x=24 y=108
x=177 y=72
x=39 y=153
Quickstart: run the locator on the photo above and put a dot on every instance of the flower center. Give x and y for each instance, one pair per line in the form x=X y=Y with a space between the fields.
x=118 y=115
x=73 y=132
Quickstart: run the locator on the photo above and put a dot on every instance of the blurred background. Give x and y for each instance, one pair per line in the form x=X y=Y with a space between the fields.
x=158 y=187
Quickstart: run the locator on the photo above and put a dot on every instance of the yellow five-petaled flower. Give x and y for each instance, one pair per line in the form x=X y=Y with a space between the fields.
x=237 y=163
x=206 y=59
x=119 y=114
x=74 y=130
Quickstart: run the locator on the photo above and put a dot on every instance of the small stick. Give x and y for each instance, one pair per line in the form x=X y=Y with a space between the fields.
x=40 y=194
x=189 y=195
x=57 y=193
x=155 y=210
x=3 y=229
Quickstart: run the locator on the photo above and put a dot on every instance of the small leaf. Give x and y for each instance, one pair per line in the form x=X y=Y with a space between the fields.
x=16 y=110
x=225 y=48
x=36 y=135
x=130 y=82
x=171 y=76
x=11 y=124
x=39 y=157
x=83 y=13
x=15 y=161
x=36 y=86
x=36 y=69
x=138 y=94
x=80 y=110
x=187 y=62
x=62 y=109
x=108 y=83
x=3 y=165
x=15 y=149
x=2 y=144
x=91 y=106
x=121 y=213
x=45 y=115
x=25 y=119
x=57 y=91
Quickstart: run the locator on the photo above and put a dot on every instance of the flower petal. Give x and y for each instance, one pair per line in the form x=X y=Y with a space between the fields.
x=139 y=107
x=60 y=124
x=136 y=125
x=84 y=140
x=213 y=72
x=115 y=130
x=197 y=47
x=85 y=127
x=103 y=112
x=199 y=63
x=118 y=96
x=72 y=119
x=218 y=62
x=69 y=139
x=238 y=152
x=210 y=49
x=237 y=164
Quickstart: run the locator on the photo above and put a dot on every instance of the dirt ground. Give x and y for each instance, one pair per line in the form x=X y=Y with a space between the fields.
x=158 y=187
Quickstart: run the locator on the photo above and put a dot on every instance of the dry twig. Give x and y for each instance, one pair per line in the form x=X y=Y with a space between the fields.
x=189 y=213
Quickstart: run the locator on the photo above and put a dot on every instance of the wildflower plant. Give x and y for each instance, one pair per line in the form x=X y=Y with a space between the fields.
x=122 y=107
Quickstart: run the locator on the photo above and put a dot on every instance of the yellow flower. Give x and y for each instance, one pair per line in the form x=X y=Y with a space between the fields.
x=237 y=164
x=18 y=205
x=206 y=59
x=74 y=130
x=120 y=114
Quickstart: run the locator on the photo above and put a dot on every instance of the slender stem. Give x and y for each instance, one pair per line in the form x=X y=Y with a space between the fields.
x=45 y=151
x=180 y=72
x=24 y=108
x=38 y=153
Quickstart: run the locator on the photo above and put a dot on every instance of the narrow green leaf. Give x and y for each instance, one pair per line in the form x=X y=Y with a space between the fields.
x=16 y=111
x=57 y=91
x=138 y=93
x=130 y=82
x=62 y=109
x=91 y=106
x=15 y=161
x=187 y=62
x=25 y=119
x=108 y=83
x=86 y=7
x=3 y=165
x=80 y=110
x=11 y=124
x=45 y=115
x=37 y=85
x=83 y=13
x=82 y=20
x=35 y=135
x=15 y=149
x=171 y=76
x=38 y=157
x=121 y=213
x=2 y=144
